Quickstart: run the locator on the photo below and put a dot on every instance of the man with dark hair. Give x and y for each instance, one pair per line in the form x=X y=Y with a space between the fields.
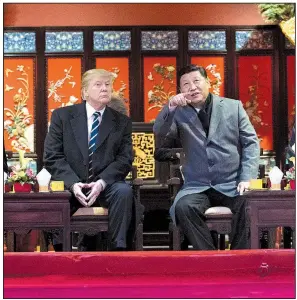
x=221 y=156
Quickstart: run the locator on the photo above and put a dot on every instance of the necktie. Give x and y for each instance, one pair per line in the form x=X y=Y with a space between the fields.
x=94 y=133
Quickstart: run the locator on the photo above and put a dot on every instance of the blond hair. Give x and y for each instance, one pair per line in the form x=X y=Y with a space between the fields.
x=89 y=75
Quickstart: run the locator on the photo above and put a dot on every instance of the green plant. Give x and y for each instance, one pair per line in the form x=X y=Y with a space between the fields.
x=290 y=174
x=277 y=12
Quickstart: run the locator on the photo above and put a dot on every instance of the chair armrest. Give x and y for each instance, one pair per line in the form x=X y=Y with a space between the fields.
x=176 y=150
x=173 y=181
x=137 y=181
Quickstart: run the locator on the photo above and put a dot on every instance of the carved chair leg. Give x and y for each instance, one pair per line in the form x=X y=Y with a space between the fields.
x=43 y=240
x=184 y=245
x=139 y=238
x=221 y=241
x=176 y=238
x=10 y=241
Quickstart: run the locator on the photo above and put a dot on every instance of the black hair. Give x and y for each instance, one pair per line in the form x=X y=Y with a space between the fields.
x=191 y=68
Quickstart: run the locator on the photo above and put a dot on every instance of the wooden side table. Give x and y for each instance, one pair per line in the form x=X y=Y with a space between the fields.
x=25 y=211
x=269 y=208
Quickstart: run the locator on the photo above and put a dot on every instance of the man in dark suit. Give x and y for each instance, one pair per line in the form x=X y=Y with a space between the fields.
x=221 y=156
x=89 y=147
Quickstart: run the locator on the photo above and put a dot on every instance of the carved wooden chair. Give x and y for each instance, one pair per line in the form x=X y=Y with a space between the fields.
x=218 y=219
x=94 y=220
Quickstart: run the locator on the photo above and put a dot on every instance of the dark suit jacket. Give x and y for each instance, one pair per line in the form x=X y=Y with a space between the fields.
x=66 y=146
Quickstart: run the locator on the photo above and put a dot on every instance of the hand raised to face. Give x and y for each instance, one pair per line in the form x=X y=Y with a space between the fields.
x=181 y=99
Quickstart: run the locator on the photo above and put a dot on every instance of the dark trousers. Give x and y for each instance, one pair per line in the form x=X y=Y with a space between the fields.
x=190 y=217
x=118 y=198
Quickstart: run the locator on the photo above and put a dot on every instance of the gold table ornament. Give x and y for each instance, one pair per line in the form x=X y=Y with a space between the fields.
x=57 y=186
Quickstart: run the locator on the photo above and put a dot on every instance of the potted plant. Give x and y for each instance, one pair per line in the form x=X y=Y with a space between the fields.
x=290 y=175
x=21 y=176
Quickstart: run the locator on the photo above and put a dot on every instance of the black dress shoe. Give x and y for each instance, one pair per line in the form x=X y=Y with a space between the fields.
x=118 y=249
x=58 y=247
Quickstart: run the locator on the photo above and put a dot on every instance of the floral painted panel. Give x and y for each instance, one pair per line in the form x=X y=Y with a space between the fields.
x=159 y=40
x=215 y=68
x=19 y=42
x=291 y=90
x=63 y=82
x=19 y=99
x=119 y=66
x=112 y=40
x=159 y=84
x=254 y=39
x=255 y=92
x=64 y=41
x=207 y=40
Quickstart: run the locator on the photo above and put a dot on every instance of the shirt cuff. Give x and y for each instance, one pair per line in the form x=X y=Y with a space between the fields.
x=103 y=183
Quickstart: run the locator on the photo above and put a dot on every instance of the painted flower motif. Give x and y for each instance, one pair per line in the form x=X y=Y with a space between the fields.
x=215 y=78
x=7 y=123
x=8 y=88
x=150 y=94
x=54 y=86
x=161 y=91
x=25 y=111
x=20 y=131
x=115 y=75
x=7 y=71
x=150 y=76
x=170 y=68
x=17 y=98
x=18 y=118
x=252 y=104
x=72 y=99
x=20 y=68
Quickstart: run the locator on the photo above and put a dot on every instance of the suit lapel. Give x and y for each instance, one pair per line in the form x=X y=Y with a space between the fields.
x=79 y=126
x=107 y=124
x=194 y=119
x=216 y=114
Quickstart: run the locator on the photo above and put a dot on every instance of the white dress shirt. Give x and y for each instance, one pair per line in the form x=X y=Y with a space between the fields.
x=90 y=118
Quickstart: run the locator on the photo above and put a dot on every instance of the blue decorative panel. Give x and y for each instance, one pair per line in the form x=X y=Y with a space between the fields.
x=19 y=42
x=112 y=40
x=159 y=40
x=254 y=39
x=207 y=40
x=64 y=41
x=288 y=44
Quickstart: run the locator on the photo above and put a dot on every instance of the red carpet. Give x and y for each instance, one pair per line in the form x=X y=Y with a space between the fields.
x=187 y=274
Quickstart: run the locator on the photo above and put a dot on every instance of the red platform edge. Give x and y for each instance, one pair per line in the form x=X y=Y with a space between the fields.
x=137 y=263
x=215 y=274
